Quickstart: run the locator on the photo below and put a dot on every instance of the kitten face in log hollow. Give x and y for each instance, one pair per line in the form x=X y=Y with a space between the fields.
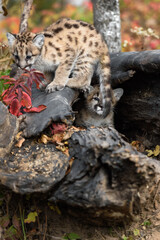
x=90 y=110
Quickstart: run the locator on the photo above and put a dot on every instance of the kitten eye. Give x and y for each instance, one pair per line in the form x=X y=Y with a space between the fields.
x=28 y=57
x=16 y=56
x=96 y=98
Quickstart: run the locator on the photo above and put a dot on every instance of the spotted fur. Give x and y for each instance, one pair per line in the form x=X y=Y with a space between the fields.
x=71 y=49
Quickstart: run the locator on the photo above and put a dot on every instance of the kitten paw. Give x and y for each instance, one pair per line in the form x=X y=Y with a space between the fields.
x=53 y=88
x=87 y=89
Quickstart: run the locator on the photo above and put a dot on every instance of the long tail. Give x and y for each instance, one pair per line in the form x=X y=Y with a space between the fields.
x=105 y=85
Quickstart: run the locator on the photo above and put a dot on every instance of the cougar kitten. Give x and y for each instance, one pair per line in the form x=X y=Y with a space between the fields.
x=71 y=49
x=91 y=108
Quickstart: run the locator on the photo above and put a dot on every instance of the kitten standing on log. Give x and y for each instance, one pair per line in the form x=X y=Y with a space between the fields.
x=90 y=109
x=71 y=49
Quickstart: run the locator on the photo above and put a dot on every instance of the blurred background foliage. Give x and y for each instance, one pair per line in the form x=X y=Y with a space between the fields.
x=140 y=19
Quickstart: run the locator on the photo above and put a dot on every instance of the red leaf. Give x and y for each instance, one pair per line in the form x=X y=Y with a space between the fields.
x=19 y=94
x=8 y=78
x=14 y=107
x=26 y=89
x=7 y=99
x=9 y=82
x=26 y=100
x=11 y=90
x=4 y=92
x=36 y=76
x=58 y=127
x=38 y=109
x=25 y=75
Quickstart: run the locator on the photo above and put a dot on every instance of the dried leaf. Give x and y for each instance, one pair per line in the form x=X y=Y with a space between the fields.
x=136 y=232
x=70 y=165
x=58 y=138
x=44 y=139
x=138 y=145
x=150 y=152
x=54 y=208
x=156 y=151
x=16 y=222
x=18 y=136
x=20 y=142
x=4 y=221
x=38 y=109
x=31 y=217
x=63 y=149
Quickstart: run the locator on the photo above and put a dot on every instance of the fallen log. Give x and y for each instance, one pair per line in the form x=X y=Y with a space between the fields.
x=137 y=115
x=58 y=110
x=109 y=179
x=33 y=168
x=124 y=65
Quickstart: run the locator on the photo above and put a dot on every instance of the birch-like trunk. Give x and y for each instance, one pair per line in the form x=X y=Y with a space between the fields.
x=107 y=22
x=25 y=15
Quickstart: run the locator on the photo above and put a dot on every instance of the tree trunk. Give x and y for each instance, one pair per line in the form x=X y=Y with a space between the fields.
x=107 y=22
x=25 y=15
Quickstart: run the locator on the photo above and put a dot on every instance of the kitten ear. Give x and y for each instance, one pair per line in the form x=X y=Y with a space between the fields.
x=89 y=90
x=38 y=40
x=11 y=39
x=118 y=92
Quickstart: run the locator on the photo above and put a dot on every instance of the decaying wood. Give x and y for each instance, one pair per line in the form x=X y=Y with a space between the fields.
x=138 y=112
x=58 y=109
x=33 y=168
x=9 y=126
x=109 y=180
x=124 y=65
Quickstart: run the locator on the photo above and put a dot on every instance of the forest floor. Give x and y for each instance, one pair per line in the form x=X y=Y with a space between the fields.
x=54 y=222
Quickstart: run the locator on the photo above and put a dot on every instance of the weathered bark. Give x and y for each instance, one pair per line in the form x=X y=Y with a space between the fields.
x=9 y=126
x=109 y=180
x=107 y=22
x=125 y=65
x=33 y=168
x=25 y=15
x=138 y=112
x=58 y=109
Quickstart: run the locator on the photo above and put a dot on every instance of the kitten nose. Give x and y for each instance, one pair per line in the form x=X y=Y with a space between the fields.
x=22 y=64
